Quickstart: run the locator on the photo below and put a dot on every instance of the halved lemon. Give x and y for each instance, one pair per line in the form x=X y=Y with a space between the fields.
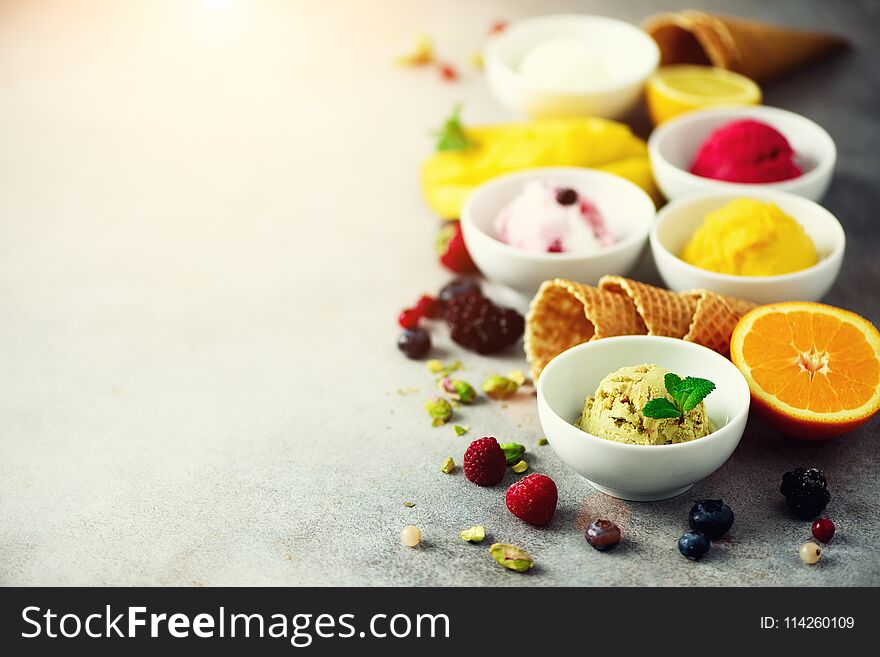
x=673 y=90
x=813 y=370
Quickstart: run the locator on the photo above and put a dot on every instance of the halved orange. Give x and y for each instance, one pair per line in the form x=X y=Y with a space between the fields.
x=813 y=370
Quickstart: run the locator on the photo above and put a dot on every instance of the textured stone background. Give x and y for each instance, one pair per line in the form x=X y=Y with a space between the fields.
x=209 y=219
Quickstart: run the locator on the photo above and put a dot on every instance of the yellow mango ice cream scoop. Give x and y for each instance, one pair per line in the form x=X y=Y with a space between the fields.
x=467 y=157
x=747 y=237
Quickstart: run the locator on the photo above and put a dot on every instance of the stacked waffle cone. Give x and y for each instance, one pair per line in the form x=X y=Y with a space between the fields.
x=564 y=314
x=754 y=49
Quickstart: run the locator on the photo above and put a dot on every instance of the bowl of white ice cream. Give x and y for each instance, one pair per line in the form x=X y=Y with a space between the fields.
x=524 y=228
x=570 y=65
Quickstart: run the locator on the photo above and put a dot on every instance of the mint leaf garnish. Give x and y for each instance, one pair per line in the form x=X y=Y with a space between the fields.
x=686 y=395
x=692 y=391
x=452 y=137
x=660 y=409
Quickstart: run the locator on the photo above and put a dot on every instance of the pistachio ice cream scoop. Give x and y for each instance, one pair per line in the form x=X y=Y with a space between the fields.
x=615 y=411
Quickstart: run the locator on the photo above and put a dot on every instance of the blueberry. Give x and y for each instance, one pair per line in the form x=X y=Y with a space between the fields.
x=566 y=196
x=693 y=545
x=711 y=517
x=415 y=343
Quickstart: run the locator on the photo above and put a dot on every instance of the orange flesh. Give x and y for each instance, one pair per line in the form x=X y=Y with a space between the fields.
x=812 y=361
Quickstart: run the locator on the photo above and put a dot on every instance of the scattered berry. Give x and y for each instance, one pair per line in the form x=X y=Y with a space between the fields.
x=452 y=250
x=533 y=499
x=693 y=545
x=603 y=535
x=448 y=72
x=410 y=536
x=428 y=306
x=415 y=343
x=566 y=196
x=409 y=318
x=457 y=286
x=479 y=325
x=806 y=492
x=823 y=530
x=711 y=517
x=810 y=553
x=498 y=27
x=484 y=462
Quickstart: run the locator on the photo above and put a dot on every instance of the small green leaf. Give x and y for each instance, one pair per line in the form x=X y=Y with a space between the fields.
x=452 y=136
x=693 y=391
x=660 y=408
x=672 y=382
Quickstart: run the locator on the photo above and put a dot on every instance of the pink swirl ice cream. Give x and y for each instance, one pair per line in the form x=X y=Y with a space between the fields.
x=550 y=219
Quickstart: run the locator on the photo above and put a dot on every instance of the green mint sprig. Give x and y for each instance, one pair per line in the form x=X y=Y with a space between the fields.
x=452 y=137
x=686 y=395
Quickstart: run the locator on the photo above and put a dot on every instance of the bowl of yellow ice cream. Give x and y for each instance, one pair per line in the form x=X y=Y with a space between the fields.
x=593 y=401
x=766 y=246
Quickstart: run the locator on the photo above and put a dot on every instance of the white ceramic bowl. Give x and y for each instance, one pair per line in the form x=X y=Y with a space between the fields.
x=640 y=472
x=678 y=220
x=628 y=54
x=628 y=211
x=673 y=146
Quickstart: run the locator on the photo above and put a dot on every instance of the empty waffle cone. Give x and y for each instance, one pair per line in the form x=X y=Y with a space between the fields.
x=564 y=314
x=664 y=312
x=714 y=318
x=757 y=50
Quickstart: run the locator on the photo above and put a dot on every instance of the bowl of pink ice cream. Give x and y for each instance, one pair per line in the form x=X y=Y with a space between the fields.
x=524 y=228
x=735 y=149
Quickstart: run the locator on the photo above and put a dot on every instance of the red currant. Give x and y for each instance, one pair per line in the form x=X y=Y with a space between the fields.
x=448 y=72
x=823 y=530
x=409 y=318
x=428 y=307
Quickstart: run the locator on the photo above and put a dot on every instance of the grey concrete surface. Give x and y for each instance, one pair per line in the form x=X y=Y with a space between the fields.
x=209 y=219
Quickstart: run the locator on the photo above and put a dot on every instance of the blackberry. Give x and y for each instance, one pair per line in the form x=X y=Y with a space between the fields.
x=456 y=286
x=711 y=517
x=479 y=325
x=806 y=492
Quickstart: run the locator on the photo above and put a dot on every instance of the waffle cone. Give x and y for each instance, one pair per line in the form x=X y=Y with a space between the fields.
x=754 y=49
x=664 y=312
x=564 y=314
x=714 y=318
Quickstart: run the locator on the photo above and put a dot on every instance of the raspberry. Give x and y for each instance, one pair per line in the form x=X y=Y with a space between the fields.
x=479 y=325
x=453 y=253
x=409 y=318
x=428 y=306
x=533 y=499
x=484 y=462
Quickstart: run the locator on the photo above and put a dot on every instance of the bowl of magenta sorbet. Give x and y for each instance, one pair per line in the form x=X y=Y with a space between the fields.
x=524 y=228
x=738 y=149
